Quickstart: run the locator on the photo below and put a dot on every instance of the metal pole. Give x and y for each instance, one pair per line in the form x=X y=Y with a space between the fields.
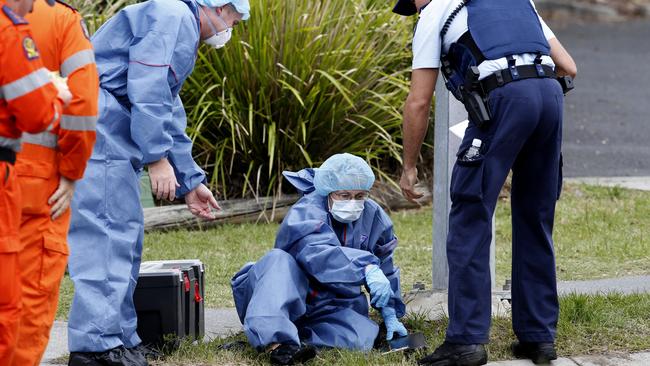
x=441 y=177
x=448 y=112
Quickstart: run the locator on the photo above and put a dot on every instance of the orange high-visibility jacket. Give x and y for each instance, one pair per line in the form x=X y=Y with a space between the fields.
x=63 y=40
x=28 y=100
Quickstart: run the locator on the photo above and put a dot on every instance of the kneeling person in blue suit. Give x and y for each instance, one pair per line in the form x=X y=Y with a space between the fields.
x=306 y=292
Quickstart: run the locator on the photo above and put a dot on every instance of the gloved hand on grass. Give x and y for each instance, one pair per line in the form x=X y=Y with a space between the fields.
x=393 y=325
x=380 y=291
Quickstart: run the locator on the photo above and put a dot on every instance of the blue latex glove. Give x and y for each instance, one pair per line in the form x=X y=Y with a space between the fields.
x=380 y=291
x=392 y=323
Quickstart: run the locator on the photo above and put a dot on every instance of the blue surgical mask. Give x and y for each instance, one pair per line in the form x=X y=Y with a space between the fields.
x=347 y=211
x=218 y=39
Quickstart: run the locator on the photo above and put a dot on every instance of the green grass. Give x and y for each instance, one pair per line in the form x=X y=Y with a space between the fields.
x=588 y=324
x=599 y=232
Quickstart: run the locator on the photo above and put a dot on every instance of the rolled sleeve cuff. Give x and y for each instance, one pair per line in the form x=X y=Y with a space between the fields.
x=190 y=181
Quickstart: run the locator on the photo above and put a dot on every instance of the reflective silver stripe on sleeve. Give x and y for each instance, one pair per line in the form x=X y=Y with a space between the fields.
x=54 y=119
x=43 y=139
x=26 y=84
x=79 y=59
x=78 y=123
x=9 y=143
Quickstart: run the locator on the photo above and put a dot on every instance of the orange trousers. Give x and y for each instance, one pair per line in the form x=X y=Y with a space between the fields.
x=42 y=260
x=10 y=302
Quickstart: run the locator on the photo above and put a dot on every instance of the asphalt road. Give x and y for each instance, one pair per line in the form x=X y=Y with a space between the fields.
x=607 y=116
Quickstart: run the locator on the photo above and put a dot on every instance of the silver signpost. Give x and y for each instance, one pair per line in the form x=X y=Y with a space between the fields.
x=449 y=112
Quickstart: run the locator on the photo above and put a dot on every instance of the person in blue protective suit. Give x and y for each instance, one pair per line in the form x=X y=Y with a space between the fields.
x=501 y=60
x=306 y=292
x=144 y=54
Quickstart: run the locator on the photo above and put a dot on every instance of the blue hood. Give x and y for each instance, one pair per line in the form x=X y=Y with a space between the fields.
x=303 y=180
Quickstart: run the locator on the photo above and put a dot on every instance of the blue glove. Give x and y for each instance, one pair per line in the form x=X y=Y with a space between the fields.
x=392 y=324
x=380 y=291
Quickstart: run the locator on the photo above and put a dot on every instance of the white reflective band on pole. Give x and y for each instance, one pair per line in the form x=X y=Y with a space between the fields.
x=45 y=139
x=78 y=123
x=9 y=143
x=76 y=61
x=25 y=85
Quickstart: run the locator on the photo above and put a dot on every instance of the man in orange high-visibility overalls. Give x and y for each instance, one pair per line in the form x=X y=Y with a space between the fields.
x=47 y=166
x=28 y=102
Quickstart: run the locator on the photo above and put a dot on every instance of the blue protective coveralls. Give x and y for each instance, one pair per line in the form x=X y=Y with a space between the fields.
x=524 y=135
x=308 y=289
x=144 y=54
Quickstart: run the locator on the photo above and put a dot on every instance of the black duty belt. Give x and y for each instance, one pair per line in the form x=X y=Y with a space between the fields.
x=514 y=73
x=7 y=155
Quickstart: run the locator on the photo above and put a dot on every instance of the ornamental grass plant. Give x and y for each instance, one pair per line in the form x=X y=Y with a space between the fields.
x=300 y=80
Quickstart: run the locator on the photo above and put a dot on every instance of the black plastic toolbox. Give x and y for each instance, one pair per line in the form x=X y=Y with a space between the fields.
x=158 y=300
x=193 y=287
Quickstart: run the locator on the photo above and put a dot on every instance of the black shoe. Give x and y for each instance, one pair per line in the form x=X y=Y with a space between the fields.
x=118 y=356
x=291 y=354
x=450 y=354
x=82 y=359
x=150 y=354
x=135 y=357
x=539 y=353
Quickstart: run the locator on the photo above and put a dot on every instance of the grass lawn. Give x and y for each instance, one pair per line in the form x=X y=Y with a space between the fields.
x=600 y=232
x=588 y=324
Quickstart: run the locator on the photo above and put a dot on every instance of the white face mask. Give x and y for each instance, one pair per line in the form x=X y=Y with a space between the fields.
x=218 y=39
x=347 y=211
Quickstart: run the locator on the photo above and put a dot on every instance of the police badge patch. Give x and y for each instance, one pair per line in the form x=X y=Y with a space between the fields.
x=30 y=48
x=84 y=29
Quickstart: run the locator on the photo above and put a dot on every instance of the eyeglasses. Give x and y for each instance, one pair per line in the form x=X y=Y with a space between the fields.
x=346 y=196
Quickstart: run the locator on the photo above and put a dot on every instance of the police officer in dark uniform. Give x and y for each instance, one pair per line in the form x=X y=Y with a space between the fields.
x=504 y=63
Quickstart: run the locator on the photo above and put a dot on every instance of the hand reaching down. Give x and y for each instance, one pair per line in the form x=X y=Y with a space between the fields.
x=200 y=202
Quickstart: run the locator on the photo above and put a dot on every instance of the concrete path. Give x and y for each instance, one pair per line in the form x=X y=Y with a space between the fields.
x=634 y=359
x=221 y=322
x=58 y=344
x=625 y=285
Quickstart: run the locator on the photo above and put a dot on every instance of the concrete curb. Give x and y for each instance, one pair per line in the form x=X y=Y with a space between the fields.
x=640 y=183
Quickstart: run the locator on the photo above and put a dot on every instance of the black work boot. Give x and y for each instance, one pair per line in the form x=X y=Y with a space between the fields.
x=291 y=354
x=135 y=357
x=118 y=356
x=82 y=359
x=450 y=354
x=147 y=352
x=539 y=353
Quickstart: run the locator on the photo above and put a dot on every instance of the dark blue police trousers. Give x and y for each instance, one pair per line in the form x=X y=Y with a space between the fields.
x=525 y=135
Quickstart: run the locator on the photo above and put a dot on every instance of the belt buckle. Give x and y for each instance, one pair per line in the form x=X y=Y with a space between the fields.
x=514 y=72
x=540 y=70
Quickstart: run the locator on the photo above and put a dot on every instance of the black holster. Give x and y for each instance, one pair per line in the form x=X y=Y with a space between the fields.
x=474 y=99
x=469 y=92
